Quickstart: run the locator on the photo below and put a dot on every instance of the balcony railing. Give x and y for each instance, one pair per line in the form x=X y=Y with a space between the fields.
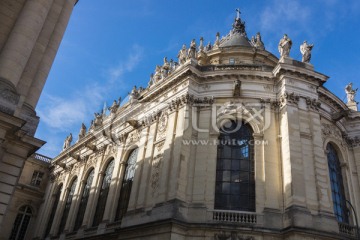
x=41 y=157
x=234 y=216
x=347 y=229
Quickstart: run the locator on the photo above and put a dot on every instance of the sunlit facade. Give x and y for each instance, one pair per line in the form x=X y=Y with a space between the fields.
x=229 y=142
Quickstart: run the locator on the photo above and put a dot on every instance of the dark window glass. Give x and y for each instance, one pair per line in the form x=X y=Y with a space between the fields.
x=101 y=203
x=337 y=186
x=21 y=223
x=36 y=178
x=67 y=206
x=53 y=210
x=84 y=200
x=235 y=181
x=126 y=185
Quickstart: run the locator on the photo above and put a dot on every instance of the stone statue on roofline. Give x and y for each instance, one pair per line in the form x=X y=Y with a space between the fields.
x=257 y=42
x=284 y=46
x=350 y=93
x=157 y=75
x=67 y=142
x=192 y=50
x=208 y=47
x=165 y=68
x=82 y=132
x=134 y=94
x=98 y=119
x=305 y=50
x=151 y=80
x=114 y=107
x=182 y=56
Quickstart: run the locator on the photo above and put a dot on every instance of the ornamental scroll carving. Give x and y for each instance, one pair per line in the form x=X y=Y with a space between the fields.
x=162 y=125
x=289 y=98
x=231 y=236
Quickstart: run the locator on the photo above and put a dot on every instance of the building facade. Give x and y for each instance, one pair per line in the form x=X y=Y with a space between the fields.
x=30 y=34
x=229 y=142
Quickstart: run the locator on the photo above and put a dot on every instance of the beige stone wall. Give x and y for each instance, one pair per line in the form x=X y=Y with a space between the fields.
x=175 y=182
x=27 y=194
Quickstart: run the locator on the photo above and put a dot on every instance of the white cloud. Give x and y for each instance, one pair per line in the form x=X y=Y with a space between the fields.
x=128 y=65
x=62 y=114
x=283 y=14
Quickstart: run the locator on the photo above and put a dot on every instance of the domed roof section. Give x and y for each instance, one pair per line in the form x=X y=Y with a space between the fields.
x=237 y=35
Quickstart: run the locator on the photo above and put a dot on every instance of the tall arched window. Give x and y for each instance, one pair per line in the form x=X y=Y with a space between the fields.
x=21 y=223
x=67 y=206
x=235 y=178
x=126 y=184
x=337 y=186
x=84 y=200
x=53 y=210
x=101 y=203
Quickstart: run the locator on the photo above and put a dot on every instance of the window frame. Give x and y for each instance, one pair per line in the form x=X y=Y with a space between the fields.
x=235 y=182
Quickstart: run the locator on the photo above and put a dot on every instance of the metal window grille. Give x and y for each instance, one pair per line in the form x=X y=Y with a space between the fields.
x=53 y=210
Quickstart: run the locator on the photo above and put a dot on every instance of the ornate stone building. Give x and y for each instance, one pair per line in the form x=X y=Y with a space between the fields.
x=30 y=34
x=229 y=142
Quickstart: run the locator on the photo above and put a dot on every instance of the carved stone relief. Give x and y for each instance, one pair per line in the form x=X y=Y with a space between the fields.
x=162 y=125
x=155 y=173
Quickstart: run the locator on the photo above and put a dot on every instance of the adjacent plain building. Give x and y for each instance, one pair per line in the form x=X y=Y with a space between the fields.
x=229 y=142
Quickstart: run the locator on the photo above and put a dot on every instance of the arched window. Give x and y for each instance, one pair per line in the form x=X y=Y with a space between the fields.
x=101 y=203
x=21 y=223
x=67 y=206
x=235 y=178
x=53 y=210
x=337 y=186
x=126 y=185
x=84 y=200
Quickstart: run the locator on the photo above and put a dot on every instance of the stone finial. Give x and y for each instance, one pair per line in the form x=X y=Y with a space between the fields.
x=217 y=40
x=201 y=45
x=305 y=50
x=284 y=46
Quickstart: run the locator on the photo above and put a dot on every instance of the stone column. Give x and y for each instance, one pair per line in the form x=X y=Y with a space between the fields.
x=167 y=160
x=33 y=64
x=22 y=39
x=49 y=55
x=60 y=208
x=45 y=209
x=142 y=172
x=259 y=161
x=202 y=154
x=145 y=188
x=76 y=200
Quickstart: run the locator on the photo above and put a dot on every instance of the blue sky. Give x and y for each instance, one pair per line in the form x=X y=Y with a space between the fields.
x=110 y=46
